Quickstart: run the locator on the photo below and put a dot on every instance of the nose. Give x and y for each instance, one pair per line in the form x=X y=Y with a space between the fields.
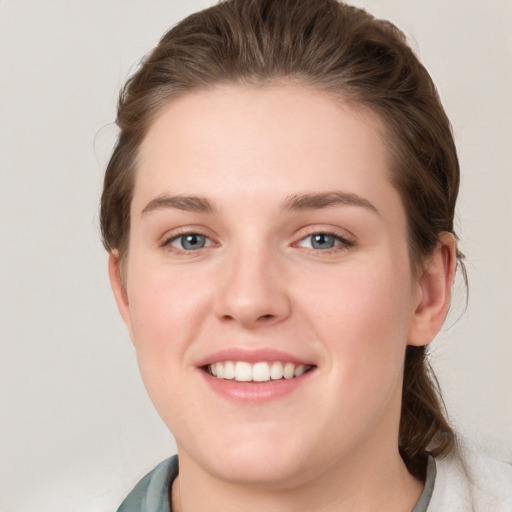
x=253 y=291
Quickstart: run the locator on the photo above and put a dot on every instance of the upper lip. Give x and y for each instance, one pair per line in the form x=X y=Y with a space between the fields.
x=251 y=356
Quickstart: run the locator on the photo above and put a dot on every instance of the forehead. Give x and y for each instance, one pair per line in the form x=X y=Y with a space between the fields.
x=244 y=140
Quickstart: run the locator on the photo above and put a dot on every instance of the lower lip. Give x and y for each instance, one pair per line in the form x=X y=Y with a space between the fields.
x=254 y=392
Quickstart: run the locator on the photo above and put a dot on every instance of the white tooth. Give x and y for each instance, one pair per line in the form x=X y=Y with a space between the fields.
x=299 y=370
x=243 y=371
x=213 y=369
x=229 y=370
x=276 y=371
x=220 y=370
x=261 y=372
x=289 y=368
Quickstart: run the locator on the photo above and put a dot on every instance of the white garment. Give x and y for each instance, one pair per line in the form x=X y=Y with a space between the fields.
x=471 y=482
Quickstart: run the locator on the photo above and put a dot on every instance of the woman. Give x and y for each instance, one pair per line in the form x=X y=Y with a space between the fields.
x=279 y=216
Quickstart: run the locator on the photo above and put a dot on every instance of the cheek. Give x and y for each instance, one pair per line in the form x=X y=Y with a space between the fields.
x=165 y=312
x=362 y=315
x=164 y=301
x=167 y=308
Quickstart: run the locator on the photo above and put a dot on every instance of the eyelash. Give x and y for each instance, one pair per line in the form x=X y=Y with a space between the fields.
x=167 y=244
x=341 y=243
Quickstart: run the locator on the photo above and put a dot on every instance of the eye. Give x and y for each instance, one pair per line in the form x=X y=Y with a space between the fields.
x=189 y=242
x=323 y=241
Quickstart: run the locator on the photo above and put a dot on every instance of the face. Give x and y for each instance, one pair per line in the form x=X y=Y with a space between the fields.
x=269 y=292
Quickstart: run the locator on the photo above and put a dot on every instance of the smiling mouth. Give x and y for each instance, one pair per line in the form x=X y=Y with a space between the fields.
x=262 y=371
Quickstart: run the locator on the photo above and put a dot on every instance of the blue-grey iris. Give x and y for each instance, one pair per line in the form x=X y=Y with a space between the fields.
x=193 y=241
x=322 y=241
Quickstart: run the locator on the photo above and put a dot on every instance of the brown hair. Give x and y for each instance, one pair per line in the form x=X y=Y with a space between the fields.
x=333 y=47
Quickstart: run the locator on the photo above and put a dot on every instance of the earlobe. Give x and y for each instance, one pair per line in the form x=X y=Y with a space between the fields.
x=435 y=284
x=118 y=287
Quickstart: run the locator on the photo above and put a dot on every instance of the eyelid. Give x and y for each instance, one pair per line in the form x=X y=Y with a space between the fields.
x=172 y=235
x=208 y=241
x=345 y=242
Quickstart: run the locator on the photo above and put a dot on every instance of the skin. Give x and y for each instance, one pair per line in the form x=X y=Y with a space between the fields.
x=350 y=310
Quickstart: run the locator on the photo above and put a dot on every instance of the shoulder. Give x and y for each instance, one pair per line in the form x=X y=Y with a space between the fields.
x=151 y=494
x=471 y=480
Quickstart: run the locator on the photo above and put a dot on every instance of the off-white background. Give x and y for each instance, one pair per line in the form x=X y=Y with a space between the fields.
x=76 y=427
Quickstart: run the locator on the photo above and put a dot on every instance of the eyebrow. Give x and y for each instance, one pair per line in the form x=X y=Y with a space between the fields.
x=187 y=203
x=315 y=201
x=294 y=202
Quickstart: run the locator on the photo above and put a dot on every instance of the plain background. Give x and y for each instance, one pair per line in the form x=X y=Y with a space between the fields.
x=77 y=429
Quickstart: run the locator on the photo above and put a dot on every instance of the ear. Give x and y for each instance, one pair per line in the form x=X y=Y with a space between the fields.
x=118 y=287
x=435 y=284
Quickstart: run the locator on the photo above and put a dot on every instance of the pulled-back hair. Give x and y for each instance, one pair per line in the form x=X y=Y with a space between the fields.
x=329 y=46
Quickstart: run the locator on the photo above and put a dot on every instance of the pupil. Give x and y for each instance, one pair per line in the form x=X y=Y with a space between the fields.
x=193 y=242
x=322 y=241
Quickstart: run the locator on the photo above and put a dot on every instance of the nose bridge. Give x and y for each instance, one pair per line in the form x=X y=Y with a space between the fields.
x=252 y=293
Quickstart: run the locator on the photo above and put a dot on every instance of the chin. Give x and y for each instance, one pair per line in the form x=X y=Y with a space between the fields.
x=259 y=461
x=266 y=470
